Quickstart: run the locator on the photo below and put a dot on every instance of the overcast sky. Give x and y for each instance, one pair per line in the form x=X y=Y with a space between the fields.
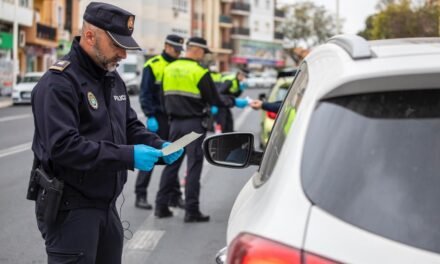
x=353 y=11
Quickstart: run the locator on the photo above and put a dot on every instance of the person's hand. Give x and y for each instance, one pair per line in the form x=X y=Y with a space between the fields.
x=214 y=110
x=145 y=157
x=241 y=103
x=256 y=104
x=152 y=124
x=171 y=158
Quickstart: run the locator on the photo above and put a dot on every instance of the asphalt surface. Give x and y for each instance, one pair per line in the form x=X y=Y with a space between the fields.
x=148 y=239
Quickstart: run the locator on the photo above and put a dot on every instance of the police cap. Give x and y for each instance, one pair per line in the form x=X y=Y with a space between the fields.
x=175 y=41
x=198 y=42
x=117 y=22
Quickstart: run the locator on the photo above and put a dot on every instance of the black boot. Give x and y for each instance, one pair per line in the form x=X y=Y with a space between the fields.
x=142 y=203
x=179 y=203
x=195 y=217
x=163 y=212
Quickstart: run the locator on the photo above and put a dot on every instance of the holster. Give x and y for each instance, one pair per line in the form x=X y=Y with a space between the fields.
x=33 y=187
x=49 y=196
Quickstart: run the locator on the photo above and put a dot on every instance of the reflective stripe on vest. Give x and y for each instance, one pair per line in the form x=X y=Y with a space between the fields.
x=157 y=65
x=233 y=78
x=181 y=77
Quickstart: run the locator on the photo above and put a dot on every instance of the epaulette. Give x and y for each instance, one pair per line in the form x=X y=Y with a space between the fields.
x=155 y=60
x=60 y=65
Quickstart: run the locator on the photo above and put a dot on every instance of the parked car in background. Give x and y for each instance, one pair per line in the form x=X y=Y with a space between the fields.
x=21 y=94
x=350 y=172
x=277 y=93
x=265 y=79
x=130 y=70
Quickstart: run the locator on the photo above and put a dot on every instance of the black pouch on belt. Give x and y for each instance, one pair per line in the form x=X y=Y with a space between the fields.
x=49 y=198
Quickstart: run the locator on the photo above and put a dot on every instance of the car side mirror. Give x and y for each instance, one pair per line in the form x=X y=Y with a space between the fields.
x=232 y=150
x=262 y=97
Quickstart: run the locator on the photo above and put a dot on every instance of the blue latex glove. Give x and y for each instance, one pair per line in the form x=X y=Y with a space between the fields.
x=243 y=86
x=145 y=157
x=169 y=159
x=152 y=124
x=241 y=103
x=214 y=110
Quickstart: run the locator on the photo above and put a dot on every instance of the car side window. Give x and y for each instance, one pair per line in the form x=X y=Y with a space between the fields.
x=286 y=116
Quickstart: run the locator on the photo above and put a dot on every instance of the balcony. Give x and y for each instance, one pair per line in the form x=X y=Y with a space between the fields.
x=279 y=13
x=240 y=31
x=227 y=45
x=240 y=8
x=41 y=34
x=225 y=19
x=23 y=15
x=278 y=35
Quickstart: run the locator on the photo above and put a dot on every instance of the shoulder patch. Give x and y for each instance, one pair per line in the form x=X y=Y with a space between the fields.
x=60 y=65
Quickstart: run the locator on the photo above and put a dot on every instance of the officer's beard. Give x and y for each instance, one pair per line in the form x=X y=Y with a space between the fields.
x=108 y=64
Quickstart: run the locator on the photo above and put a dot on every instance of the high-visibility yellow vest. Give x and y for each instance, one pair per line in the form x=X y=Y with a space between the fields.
x=233 y=78
x=181 y=77
x=157 y=65
x=216 y=77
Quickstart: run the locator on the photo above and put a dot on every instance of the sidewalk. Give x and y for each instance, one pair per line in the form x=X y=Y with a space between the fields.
x=5 y=101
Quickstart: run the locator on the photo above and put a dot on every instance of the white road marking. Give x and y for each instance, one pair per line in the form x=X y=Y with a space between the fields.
x=15 y=149
x=10 y=118
x=144 y=240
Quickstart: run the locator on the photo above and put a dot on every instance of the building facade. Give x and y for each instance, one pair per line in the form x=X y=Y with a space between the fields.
x=54 y=25
x=155 y=19
x=241 y=33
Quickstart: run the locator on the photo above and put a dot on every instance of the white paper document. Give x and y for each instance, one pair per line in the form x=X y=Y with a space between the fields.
x=180 y=143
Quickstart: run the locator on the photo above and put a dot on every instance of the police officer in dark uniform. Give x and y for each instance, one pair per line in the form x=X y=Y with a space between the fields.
x=231 y=84
x=188 y=91
x=86 y=137
x=157 y=120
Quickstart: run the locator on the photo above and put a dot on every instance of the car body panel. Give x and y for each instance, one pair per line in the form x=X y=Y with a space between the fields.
x=330 y=236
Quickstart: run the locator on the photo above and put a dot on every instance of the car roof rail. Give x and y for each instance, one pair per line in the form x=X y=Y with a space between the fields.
x=356 y=46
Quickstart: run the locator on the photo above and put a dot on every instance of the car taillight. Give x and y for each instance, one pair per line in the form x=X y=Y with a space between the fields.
x=251 y=249
x=271 y=115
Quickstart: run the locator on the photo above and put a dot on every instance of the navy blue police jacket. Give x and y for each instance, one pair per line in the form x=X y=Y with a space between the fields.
x=85 y=130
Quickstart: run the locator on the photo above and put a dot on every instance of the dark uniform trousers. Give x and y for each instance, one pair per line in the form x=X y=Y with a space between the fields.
x=143 y=178
x=179 y=128
x=224 y=118
x=74 y=237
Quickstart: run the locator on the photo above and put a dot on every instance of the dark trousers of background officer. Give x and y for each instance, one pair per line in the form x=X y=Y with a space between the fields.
x=84 y=236
x=143 y=177
x=224 y=118
x=179 y=128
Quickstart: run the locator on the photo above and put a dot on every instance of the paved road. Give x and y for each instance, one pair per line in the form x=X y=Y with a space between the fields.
x=149 y=240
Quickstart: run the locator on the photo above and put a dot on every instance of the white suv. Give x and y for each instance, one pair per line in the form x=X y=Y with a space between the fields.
x=351 y=172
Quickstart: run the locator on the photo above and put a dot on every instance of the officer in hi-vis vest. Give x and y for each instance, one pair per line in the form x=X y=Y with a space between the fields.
x=188 y=91
x=231 y=84
x=157 y=120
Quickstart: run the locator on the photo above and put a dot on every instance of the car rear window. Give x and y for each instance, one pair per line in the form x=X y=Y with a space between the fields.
x=373 y=160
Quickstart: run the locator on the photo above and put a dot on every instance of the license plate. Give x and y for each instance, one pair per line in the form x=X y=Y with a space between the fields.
x=26 y=95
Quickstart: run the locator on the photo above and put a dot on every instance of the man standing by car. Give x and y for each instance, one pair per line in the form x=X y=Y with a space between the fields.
x=157 y=120
x=188 y=90
x=86 y=137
